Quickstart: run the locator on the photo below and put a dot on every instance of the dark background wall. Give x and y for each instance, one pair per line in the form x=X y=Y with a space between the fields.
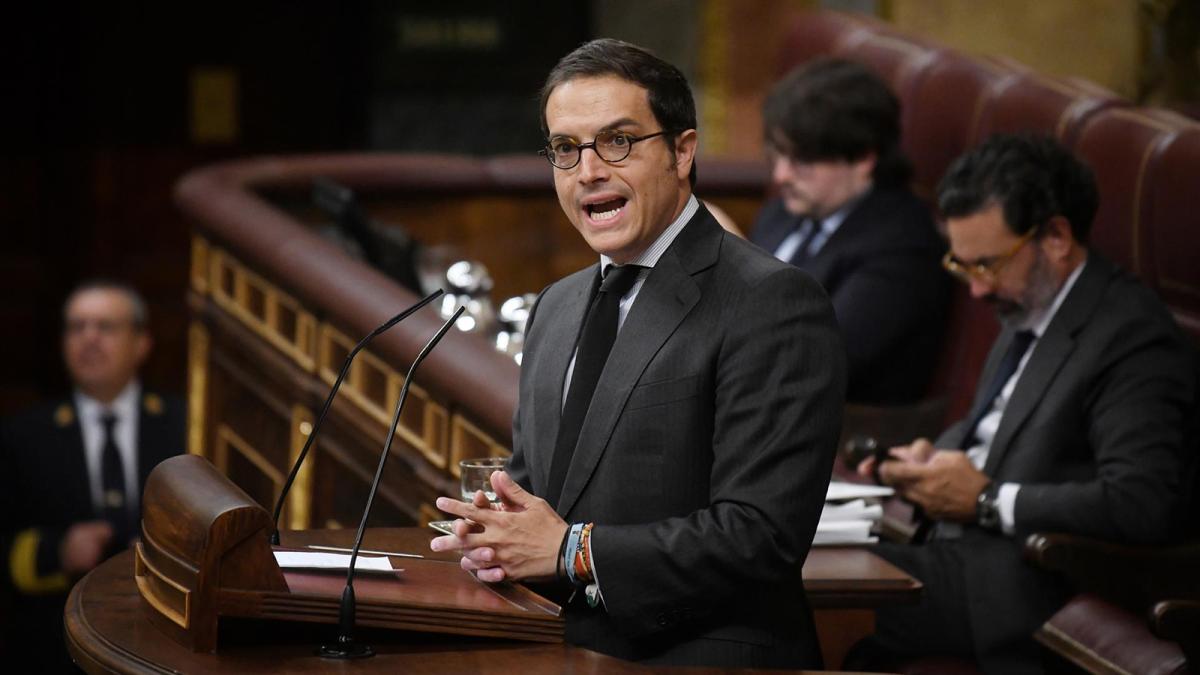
x=106 y=104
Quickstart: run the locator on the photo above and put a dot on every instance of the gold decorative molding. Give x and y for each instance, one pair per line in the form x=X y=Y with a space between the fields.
x=228 y=438
x=199 y=269
x=714 y=75
x=374 y=387
x=467 y=441
x=198 y=341
x=300 y=499
x=266 y=310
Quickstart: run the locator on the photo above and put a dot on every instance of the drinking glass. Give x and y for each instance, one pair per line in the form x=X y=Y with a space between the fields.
x=476 y=475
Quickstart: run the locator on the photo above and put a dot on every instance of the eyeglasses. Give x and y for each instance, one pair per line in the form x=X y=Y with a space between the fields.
x=984 y=270
x=611 y=146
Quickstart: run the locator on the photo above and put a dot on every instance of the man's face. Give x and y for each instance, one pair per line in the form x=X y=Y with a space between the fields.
x=1021 y=285
x=819 y=188
x=102 y=347
x=622 y=207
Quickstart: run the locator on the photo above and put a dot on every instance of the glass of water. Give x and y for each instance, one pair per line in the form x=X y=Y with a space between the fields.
x=476 y=475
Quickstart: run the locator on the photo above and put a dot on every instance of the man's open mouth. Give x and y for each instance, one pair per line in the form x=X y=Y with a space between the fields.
x=605 y=210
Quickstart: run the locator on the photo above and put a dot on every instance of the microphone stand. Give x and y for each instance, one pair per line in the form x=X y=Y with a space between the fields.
x=287 y=485
x=346 y=647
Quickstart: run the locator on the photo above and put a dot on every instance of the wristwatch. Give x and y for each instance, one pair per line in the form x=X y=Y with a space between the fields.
x=987 y=507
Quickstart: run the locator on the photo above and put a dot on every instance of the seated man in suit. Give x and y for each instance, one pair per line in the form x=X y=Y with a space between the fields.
x=1084 y=421
x=846 y=216
x=73 y=469
x=679 y=401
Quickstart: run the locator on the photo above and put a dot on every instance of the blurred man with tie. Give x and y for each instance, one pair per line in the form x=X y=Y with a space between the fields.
x=679 y=401
x=73 y=470
x=1084 y=420
x=846 y=216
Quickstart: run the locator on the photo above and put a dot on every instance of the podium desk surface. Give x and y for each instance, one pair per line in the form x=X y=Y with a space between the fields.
x=107 y=630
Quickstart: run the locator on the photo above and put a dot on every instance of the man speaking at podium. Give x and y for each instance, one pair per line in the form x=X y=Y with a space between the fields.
x=680 y=401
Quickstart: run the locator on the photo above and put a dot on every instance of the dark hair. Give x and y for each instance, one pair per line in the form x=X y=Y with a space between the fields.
x=833 y=109
x=1033 y=178
x=670 y=97
x=140 y=314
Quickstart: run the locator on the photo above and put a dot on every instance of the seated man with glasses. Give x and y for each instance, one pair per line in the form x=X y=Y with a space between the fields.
x=73 y=470
x=679 y=402
x=1084 y=421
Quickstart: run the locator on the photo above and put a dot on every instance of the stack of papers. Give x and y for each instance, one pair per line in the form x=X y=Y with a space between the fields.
x=331 y=561
x=851 y=510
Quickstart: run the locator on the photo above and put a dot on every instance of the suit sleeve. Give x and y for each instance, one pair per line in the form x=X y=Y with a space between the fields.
x=31 y=554
x=889 y=297
x=518 y=465
x=779 y=388
x=1140 y=425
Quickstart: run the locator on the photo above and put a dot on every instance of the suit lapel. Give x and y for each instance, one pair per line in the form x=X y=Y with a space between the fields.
x=73 y=457
x=562 y=332
x=1049 y=354
x=666 y=297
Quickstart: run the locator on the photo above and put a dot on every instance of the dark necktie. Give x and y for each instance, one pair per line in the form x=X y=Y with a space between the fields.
x=113 y=501
x=1008 y=365
x=802 y=251
x=595 y=342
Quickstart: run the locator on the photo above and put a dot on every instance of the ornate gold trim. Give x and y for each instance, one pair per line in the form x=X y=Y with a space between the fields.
x=199 y=268
x=462 y=433
x=299 y=505
x=198 y=341
x=227 y=438
x=714 y=74
x=297 y=345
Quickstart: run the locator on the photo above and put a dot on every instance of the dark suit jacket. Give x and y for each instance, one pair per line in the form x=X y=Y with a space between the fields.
x=1100 y=433
x=882 y=270
x=705 y=455
x=44 y=489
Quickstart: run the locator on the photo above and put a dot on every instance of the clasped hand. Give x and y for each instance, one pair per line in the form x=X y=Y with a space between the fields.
x=516 y=539
x=944 y=483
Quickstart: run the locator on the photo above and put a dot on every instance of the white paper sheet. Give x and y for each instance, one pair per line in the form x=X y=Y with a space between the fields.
x=331 y=561
x=844 y=532
x=839 y=490
x=857 y=509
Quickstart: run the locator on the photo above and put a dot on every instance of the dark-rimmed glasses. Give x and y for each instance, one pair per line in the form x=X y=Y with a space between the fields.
x=984 y=270
x=610 y=145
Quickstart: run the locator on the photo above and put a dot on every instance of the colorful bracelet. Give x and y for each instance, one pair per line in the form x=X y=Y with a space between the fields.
x=570 y=551
x=583 y=563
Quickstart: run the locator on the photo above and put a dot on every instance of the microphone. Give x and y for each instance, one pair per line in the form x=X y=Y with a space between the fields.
x=287 y=485
x=346 y=647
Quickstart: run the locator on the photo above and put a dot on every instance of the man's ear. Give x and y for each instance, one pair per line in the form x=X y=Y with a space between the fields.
x=144 y=344
x=864 y=168
x=685 y=153
x=1057 y=240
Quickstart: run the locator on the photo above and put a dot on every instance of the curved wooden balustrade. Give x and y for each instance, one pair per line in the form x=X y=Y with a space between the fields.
x=276 y=307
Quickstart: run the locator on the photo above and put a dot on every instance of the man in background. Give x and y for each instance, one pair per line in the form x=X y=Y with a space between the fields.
x=72 y=471
x=1084 y=421
x=845 y=215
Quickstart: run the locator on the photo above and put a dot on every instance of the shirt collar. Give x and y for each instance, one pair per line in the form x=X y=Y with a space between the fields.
x=123 y=406
x=1038 y=322
x=652 y=254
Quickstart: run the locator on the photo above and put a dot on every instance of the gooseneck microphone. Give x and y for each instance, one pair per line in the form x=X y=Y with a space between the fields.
x=287 y=485
x=346 y=647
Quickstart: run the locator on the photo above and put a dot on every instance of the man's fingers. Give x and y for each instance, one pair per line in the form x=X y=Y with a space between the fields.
x=866 y=467
x=465 y=510
x=508 y=491
x=481 y=555
x=491 y=575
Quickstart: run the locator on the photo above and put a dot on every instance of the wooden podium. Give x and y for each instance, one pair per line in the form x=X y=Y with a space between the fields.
x=204 y=555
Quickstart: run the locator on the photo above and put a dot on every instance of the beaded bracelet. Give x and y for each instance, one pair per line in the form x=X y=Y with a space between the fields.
x=582 y=563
